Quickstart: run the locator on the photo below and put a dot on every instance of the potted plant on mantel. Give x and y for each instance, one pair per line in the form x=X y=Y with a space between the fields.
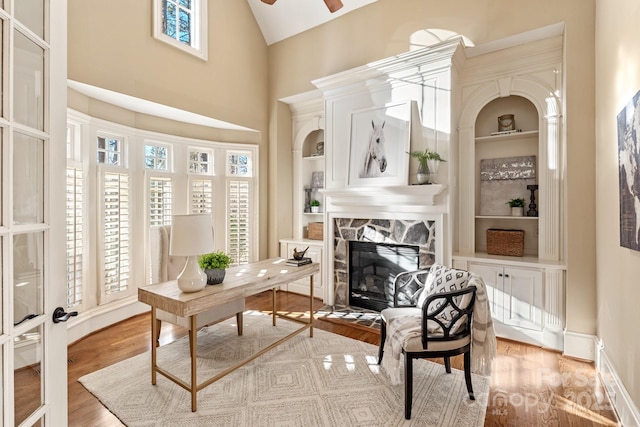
x=517 y=206
x=214 y=266
x=428 y=162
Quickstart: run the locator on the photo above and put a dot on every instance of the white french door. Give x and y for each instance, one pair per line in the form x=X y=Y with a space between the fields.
x=32 y=214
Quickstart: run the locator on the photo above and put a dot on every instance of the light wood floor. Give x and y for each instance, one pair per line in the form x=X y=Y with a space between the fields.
x=529 y=386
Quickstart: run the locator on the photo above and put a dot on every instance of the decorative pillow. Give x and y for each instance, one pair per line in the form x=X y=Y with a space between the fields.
x=444 y=279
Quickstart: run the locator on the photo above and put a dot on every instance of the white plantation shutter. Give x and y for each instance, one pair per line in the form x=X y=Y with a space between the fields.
x=201 y=199
x=160 y=201
x=238 y=211
x=116 y=255
x=75 y=237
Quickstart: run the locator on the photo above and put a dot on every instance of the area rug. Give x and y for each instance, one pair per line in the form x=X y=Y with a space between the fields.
x=327 y=380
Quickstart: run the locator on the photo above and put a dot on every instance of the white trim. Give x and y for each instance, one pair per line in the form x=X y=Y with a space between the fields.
x=580 y=346
x=199 y=35
x=628 y=413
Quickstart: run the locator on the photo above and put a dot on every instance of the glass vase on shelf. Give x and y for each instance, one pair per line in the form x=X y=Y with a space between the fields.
x=422 y=175
x=432 y=166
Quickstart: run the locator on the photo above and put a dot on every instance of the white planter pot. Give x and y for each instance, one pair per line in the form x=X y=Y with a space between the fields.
x=517 y=211
x=315 y=209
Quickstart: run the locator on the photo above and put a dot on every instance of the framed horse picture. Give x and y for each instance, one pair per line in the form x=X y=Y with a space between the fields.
x=379 y=145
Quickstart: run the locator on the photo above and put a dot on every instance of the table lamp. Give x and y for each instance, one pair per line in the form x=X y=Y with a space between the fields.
x=191 y=236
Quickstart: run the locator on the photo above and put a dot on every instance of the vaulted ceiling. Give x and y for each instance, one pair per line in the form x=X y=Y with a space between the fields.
x=286 y=18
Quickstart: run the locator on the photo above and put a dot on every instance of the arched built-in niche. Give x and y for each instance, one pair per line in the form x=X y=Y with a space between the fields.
x=529 y=95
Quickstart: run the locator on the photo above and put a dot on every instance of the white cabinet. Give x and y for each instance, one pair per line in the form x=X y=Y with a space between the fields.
x=526 y=292
x=515 y=294
x=315 y=253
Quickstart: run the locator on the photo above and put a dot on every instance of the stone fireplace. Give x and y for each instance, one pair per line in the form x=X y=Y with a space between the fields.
x=419 y=233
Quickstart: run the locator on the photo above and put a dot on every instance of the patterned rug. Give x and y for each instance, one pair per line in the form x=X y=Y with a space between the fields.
x=327 y=380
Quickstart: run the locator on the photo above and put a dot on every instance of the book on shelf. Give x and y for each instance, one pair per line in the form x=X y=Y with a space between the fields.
x=298 y=262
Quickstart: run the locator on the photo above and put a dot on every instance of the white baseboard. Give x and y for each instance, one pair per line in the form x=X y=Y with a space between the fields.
x=627 y=411
x=103 y=316
x=580 y=346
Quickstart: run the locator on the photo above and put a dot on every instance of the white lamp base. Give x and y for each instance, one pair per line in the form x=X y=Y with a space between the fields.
x=192 y=278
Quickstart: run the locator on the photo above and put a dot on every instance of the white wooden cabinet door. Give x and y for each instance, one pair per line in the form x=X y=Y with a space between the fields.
x=492 y=276
x=523 y=298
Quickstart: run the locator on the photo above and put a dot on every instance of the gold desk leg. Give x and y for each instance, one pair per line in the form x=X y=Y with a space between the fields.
x=311 y=306
x=154 y=334
x=273 y=306
x=193 y=333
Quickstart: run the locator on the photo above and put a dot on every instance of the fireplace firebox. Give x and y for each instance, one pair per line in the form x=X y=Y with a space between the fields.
x=372 y=269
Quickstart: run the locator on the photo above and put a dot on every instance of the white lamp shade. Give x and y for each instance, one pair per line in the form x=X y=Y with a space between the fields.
x=191 y=235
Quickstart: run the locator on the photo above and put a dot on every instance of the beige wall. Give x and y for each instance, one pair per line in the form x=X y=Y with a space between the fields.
x=111 y=46
x=618 y=268
x=382 y=29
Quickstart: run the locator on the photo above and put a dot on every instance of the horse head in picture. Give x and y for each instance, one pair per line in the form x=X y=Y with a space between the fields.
x=375 y=158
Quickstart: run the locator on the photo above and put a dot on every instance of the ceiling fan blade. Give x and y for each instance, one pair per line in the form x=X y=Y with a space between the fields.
x=333 y=5
x=268 y=1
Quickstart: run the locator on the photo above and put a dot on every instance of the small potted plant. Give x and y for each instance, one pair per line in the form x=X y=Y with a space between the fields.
x=315 y=206
x=428 y=162
x=214 y=266
x=517 y=206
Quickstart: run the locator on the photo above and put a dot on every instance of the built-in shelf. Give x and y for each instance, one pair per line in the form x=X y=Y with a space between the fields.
x=313 y=157
x=515 y=135
x=523 y=261
x=312 y=213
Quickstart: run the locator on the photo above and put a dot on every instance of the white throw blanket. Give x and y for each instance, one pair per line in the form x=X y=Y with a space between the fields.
x=483 y=344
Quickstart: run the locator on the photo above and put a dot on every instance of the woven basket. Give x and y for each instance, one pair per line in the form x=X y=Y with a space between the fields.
x=505 y=242
x=315 y=230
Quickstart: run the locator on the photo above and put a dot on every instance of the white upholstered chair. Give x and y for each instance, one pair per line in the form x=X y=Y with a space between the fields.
x=165 y=267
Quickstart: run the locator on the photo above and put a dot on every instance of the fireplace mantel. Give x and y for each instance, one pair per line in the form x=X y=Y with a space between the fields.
x=385 y=195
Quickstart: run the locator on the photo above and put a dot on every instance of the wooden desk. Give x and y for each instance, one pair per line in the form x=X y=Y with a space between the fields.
x=241 y=281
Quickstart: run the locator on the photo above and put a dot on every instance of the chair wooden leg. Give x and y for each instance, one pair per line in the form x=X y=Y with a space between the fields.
x=408 y=385
x=467 y=374
x=239 y=321
x=157 y=337
x=447 y=364
x=383 y=337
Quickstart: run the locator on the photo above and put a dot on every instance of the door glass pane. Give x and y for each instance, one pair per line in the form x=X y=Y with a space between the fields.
x=28 y=182
x=31 y=14
x=28 y=264
x=28 y=82
x=28 y=384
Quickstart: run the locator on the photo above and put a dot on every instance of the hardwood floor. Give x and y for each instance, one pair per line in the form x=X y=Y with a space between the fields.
x=529 y=386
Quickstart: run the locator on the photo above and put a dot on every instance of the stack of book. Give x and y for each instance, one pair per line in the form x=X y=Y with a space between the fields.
x=298 y=262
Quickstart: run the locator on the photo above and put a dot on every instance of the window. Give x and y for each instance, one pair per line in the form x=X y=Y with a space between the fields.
x=75 y=219
x=156 y=157
x=239 y=221
x=201 y=196
x=240 y=164
x=110 y=150
x=182 y=24
x=74 y=237
x=160 y=201
x=115 y=233
x=200 y=162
